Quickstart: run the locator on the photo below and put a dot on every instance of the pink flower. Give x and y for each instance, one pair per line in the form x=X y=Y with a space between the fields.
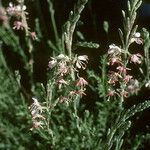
x=136 y=58
x=114 y=60
x=127 y=78
x=61 y=82
x=81 y=82
x=18 y=25
x=33 y=35
x=81 y=92
x=111 y=93
x=113 y=77
x=124 y=94
x=122 y=69
x=63 y=69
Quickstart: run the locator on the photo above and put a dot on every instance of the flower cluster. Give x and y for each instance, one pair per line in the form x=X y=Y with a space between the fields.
x=119 y=77
x=62 y=67
x=13 y=10
x=36 y=112
x=19 y=13
x=114 y=53
x=136 y=38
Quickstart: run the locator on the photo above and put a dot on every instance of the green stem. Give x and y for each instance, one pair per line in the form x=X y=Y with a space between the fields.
x=52 y=12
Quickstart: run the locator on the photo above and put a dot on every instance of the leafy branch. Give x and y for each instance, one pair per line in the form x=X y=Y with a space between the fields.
x=115 y=134
x=70 y=25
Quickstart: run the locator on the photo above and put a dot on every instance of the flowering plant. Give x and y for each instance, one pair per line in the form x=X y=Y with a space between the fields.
x=52 y=111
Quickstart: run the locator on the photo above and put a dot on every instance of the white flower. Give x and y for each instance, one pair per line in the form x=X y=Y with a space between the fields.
x=15 y=10
x=35 y=108
x=113 y=46
x=147 y=84
x=136 y=58
x=61 y=56
x=133 y=86
x=83 y=57
x=137 y=34
x=52 y=63
x=20 y=8
x=81 y=61
x=36 y=111
x=114 y=50
x=137 y=38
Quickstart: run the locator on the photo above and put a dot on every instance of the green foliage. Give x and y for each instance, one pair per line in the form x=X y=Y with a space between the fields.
x=106 y=26
x=10 y=39
x=13 y=115
x=57 y=119
x=88 y=44
x=70 y=25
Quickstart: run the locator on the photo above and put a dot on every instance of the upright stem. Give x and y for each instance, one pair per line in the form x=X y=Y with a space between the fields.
x=52 y=12
x=69 y=28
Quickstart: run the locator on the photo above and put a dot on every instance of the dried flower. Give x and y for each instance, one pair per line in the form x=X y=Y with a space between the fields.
x=136 y=58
